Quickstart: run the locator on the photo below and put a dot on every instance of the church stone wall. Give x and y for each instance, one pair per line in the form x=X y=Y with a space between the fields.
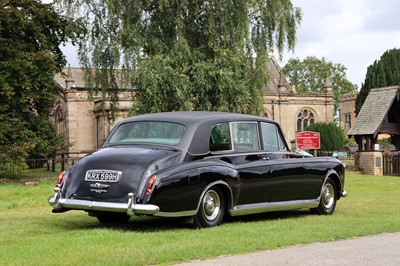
x=347 y=116
x=80 y=119
x=83 y=121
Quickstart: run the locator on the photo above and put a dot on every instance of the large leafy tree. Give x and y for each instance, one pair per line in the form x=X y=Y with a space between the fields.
x=382 y=73
x=30 y=35
x=310 y=75
x=186 y=54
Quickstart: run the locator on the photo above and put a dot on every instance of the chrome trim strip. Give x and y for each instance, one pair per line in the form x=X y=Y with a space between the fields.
x=273 y=206
x=176 y=214
x=130 y=208
x=257 y=152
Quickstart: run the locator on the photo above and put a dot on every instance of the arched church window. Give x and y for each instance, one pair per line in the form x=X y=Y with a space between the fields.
x=305 y=118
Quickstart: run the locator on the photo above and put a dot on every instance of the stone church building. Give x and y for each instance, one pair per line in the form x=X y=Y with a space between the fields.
x=347 y=116
x=81 y=120
x=292 y=110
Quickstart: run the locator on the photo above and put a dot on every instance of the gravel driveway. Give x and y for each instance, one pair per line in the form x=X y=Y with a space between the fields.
x=381 y=249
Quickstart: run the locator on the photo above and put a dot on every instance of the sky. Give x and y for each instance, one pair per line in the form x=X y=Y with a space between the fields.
x=353 y=33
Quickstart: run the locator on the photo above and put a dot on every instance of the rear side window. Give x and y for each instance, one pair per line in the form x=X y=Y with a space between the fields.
x=245 y=136
x=238 y=136
x=272 y=139
x=220 y=138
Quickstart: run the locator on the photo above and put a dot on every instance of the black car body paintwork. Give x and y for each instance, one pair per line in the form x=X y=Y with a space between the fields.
x=247 y=181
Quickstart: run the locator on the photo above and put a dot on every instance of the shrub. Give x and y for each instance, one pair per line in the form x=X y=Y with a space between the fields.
x=331 y=136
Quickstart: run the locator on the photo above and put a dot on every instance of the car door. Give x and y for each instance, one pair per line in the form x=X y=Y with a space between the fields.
x=250 y=161
x=286 y=177
x=238 y=143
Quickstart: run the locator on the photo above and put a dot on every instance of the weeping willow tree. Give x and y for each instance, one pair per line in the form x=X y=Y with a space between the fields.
x=183 y=55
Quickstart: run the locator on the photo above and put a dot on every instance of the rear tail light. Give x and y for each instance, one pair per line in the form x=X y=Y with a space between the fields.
x=150 y=185
x=60 y=179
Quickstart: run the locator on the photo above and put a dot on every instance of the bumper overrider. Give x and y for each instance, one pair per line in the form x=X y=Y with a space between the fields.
x=130 y=208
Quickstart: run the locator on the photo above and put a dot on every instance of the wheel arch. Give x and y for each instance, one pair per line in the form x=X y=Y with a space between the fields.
x=225 y=189
x=336 y=179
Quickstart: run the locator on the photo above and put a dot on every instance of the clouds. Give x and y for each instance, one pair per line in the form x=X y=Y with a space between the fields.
x=383 y=16
x=353 y=33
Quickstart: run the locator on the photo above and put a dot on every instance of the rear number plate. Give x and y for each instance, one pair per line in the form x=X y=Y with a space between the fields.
x=103 y=175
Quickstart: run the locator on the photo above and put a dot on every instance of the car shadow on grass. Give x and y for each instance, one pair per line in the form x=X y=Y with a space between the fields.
x=140 y=224
x=155 y=224
x=268 y=216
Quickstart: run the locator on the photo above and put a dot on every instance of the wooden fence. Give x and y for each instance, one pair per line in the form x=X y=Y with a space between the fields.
x=391 y=164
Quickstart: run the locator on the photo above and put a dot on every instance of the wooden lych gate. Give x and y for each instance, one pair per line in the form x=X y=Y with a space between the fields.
x=380 y=114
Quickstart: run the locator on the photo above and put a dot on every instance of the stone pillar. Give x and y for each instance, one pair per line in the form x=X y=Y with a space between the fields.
x=371 y=162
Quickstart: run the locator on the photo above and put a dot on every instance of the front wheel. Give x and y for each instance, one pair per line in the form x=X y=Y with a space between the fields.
x=211 y=210
x=328 y=198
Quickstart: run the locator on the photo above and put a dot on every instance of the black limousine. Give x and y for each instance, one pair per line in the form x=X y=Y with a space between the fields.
x=202 y=165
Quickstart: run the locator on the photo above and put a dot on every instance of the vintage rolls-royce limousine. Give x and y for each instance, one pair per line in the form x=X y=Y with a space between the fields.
x=202 y=165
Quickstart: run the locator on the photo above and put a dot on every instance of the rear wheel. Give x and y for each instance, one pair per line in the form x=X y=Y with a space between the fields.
x=112 y=218
x=211 y=210
x=328 y=198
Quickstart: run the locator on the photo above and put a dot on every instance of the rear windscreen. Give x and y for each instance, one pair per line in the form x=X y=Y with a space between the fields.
x=148 y=131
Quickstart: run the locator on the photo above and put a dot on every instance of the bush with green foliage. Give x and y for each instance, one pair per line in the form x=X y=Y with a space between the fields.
x=331 y=136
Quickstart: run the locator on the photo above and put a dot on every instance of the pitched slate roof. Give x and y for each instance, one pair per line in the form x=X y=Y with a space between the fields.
x=277 y=79
x=374 y=110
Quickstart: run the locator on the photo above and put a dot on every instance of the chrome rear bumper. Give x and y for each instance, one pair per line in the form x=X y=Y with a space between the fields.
x=130 y=208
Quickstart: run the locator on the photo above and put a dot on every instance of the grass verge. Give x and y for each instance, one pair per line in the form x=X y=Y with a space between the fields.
x=31 y=234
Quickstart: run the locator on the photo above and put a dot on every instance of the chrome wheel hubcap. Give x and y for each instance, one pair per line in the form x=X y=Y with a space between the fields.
x=211 y=205
x=328 y=196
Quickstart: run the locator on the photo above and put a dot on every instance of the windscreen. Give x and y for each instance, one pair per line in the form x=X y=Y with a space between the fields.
x=148 y=132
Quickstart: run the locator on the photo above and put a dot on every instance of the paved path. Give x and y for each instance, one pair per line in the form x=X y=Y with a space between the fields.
x=379 y=250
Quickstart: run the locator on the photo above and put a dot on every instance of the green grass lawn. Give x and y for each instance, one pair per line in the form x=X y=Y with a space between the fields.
x=31 y=235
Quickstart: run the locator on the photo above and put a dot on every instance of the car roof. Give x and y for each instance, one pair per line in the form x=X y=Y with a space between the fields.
x=198 y=125
x=193 y=117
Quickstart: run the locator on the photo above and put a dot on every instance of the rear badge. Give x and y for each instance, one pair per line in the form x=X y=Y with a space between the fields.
x=103 y=175
x=99 y=185
x=99 y=190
